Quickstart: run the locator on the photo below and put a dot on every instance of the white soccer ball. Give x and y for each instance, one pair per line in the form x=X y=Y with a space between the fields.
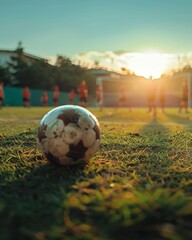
x=68 y=135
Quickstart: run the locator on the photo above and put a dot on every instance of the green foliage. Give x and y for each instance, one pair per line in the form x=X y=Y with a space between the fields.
x=68 y=75
x=41 y=75
x=138 y=186
x=5 y=75
x=19 y=71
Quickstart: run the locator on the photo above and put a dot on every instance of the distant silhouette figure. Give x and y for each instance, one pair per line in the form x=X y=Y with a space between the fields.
x=1 y=94
x=72 y=96
x=162 y=97
x=56 y=93
x=99 y=94
x=184 y=98
x=152 y=97
x=83 y=93
x=26 y=97
x=123 y=99
x=44 y=99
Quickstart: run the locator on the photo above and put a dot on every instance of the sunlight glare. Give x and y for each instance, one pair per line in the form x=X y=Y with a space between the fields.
x=149 y=64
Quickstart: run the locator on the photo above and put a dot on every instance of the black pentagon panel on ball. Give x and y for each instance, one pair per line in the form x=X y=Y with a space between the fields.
x=76 y=151
x=69 y=116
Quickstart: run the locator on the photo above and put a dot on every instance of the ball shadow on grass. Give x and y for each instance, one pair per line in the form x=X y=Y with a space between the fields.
x=35 y=200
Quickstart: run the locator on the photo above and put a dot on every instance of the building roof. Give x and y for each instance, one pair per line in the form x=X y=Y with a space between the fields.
x=103 y=72
x=24 y=53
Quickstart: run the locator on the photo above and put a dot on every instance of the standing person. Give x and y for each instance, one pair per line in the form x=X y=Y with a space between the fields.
x=83 y=93
x=44 y=99
x=72 y=96
x=123 y=99
x=26 y=97
x=99 y=93
x=162 y=97
x=1 y=94
x=152 y=97
x=56 y=93
x=184 y=98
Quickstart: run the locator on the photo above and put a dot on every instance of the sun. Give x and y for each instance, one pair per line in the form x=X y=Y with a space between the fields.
x=149 y=64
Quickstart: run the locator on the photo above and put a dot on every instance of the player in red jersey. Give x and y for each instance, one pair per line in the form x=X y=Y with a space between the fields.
x=184 y=98
x=56 y=96
x=123 y=99
x=83 y=93
x=26 y=97
x=162 y=97
x=152 y=97
x=44 y=99
x=1 y=94
x=72 y=96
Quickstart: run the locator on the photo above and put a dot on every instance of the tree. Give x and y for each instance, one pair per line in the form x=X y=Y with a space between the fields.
x=5 y=75
x=37 y=74
x=68 y=75
x=18 y=69
x=42 y=75
x=20 y=48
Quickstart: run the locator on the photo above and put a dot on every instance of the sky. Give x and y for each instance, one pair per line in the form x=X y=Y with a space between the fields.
x=77 y=28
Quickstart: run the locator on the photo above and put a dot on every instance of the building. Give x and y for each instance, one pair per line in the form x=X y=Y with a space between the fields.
x=112 y=82
x=5 y=56
x=137 y=88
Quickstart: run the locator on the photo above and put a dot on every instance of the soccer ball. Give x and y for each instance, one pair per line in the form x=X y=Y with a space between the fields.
x=68 y=135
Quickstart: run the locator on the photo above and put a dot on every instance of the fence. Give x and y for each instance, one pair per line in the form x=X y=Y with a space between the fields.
x=13 y=97
x=137 y=90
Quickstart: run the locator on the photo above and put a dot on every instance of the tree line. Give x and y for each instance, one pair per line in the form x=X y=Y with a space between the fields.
x=39 y=74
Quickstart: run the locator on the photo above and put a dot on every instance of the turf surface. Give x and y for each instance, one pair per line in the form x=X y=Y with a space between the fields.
x=138 y=186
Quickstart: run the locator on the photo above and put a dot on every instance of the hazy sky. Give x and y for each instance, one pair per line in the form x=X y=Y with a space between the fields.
x=117 y=33
x=69 y=27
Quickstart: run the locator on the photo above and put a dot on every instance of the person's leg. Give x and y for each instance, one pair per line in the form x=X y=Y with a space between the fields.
x=28 y=103
x=181 y=106
x=155 y=111
x=186 y=107
x=149 y=107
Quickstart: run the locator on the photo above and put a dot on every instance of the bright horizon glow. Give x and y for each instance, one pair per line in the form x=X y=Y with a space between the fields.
x=149 y=64
x=146 y=64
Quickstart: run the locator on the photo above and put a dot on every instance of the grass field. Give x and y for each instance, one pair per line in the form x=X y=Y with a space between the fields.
x=138 y=186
